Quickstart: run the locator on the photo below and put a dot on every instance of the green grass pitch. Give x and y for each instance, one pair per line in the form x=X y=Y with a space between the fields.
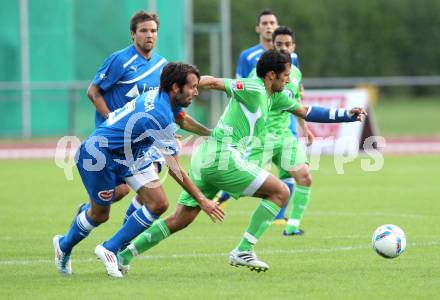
x=333 y=260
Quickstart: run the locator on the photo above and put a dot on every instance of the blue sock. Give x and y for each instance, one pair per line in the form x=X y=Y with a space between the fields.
x=79 y=230
x=140 y=220
x=134 y=205
x=84 y=207
x=291 y=186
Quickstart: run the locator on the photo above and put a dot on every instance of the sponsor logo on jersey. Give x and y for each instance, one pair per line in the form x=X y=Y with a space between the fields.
x=237 y=85
x=133 y=92
x=106 y=195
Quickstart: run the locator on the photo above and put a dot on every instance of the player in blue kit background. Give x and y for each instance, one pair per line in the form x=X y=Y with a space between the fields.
x=129 y=72
x=116 y=149
x=126 y=74
x=267 y=23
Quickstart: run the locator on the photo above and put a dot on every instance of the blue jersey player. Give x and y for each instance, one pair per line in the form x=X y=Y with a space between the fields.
x=267 y=23
x=126 y=74
x=116 y=149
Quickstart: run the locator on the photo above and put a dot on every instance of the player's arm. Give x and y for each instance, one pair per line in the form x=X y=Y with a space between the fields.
x=108 y=74
x=212 y=83
x=211 y=208
x=95 y=96
x=188 y=123
x=306 y=132
x=320 y=114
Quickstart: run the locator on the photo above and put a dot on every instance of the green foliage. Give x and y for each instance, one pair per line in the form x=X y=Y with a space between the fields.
x=333 y=260
x=344 y=37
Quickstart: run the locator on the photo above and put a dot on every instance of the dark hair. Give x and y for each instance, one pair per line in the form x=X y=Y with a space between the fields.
x=283 y=30
x=265 y=12
x=272 y=60
x=176 y=73
x=142 y=16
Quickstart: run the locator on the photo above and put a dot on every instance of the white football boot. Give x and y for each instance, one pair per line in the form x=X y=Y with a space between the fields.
x=109 y=260
x=62 y=260
x=247 y=259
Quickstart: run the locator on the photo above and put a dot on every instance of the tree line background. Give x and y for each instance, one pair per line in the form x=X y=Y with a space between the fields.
x=340 y=37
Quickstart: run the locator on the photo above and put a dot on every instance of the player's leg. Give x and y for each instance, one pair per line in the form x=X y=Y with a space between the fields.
x=185 y=213
x=154 y=203
x=301 y=173
x=136 y=202
x=274 y=195
x=122 y=189
x=244 y=178
x=160 y=230
x=280 y=219
x=100 y=186
x=300 y=199
x=292 y=162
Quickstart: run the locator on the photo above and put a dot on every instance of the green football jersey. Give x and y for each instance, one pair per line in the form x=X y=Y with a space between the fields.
x=278 y=121
x=244 y=119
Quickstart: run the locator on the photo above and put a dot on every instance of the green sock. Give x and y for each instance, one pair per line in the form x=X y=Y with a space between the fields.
x=300 y=198
x=146 y=240
x=260 y=221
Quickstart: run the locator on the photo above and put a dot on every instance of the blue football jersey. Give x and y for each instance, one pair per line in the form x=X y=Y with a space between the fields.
x=126 y=74
x=147 y=121
x=248 y=60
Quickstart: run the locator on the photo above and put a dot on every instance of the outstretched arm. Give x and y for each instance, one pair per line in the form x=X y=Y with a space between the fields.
x=211 y=208
x=190 y=124
x=320 y=114
x=212 y=83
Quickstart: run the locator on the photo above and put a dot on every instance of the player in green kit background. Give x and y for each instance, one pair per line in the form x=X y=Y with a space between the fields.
x=218 y=163
x=282 y=147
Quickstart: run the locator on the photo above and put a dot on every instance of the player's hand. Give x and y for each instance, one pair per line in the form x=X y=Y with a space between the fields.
x=310 y=137
x=212 y=209
x=178 y=138
x=357 y=113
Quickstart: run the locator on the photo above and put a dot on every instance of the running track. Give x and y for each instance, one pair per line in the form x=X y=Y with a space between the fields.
x=394 y=146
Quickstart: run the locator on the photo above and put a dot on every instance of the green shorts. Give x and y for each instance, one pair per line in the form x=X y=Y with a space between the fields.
x=285 y=152
x=216 y=167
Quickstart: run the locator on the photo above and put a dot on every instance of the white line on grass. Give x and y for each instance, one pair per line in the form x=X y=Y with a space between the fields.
x=347 y=214
x=199 y=255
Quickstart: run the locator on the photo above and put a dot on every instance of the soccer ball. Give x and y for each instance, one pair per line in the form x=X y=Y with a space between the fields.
x=389 y=241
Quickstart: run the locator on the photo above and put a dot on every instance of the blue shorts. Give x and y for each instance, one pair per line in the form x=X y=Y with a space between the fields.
x=101 y=173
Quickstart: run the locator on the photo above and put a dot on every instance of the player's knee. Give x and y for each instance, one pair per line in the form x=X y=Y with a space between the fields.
x=305 y=179
x=121 y=191
x=280 y=194
x=285 y=194
x=158 y=207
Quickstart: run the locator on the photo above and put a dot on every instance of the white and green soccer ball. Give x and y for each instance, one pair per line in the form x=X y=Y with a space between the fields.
x=389 y=241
